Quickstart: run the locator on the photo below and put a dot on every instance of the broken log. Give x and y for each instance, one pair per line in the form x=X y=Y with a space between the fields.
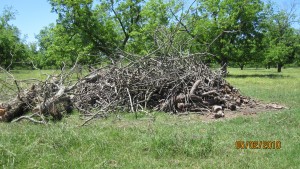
x=196 y=84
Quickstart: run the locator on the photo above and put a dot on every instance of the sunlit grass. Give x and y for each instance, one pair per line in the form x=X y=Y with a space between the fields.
x=268 y=85
x=25 y=78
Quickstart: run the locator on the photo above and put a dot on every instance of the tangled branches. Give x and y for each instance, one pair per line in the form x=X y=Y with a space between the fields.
x=169 y=84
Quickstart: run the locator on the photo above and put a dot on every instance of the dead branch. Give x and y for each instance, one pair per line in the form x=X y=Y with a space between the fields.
x=30 y=118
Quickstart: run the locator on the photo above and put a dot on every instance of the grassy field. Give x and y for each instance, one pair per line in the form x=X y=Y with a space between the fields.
x=158 y=140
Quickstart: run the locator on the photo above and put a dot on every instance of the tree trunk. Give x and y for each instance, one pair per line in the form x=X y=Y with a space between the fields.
x=125 y=41
x=242 y=67
x=279 y=66
x=224 y=64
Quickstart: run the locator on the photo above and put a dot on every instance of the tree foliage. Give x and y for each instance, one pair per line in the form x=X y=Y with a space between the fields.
x=224 y=31
x=229 y=29
x=11 y=47
x=280 y=38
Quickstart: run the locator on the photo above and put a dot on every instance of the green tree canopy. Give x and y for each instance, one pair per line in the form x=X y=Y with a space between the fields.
x=12 y=49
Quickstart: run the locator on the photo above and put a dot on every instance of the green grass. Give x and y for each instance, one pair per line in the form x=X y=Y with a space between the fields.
x=168 y=141
x=25 y=78
x=268 y=85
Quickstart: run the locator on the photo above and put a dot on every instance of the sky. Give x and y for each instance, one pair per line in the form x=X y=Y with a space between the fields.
x=34 y=15
x=31 y=16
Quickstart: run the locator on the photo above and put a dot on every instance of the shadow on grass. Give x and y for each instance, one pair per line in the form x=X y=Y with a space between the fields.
x=272 y=76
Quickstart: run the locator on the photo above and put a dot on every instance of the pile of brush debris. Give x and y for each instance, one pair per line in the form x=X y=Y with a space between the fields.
x=167 y=84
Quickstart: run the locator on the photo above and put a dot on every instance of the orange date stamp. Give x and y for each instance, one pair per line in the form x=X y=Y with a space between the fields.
x=258 y=144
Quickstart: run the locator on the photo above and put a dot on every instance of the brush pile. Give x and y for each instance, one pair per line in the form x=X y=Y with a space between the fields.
x=168 y=84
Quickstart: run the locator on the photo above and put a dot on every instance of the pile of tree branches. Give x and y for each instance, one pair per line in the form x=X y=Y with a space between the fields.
x=168 y=84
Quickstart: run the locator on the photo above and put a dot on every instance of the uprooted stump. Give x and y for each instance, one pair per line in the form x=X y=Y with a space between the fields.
x=31 y=101
x=168 y=84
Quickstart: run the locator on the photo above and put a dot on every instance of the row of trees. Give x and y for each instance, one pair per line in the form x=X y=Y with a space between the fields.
x=222 y=31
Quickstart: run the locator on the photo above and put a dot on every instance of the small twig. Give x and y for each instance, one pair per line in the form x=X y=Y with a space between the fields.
x=92 y=117
x=19 y=91
x=11 y=61
x=30 y=119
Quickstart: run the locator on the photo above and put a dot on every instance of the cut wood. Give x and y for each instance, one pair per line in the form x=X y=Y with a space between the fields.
x=219 y=114
x=2 y=112
x=216 y=108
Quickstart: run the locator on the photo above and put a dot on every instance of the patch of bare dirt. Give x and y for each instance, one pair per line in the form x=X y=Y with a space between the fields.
x=244 y=110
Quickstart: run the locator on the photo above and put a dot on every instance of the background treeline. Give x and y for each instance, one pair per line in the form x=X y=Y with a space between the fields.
x=223 y=32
